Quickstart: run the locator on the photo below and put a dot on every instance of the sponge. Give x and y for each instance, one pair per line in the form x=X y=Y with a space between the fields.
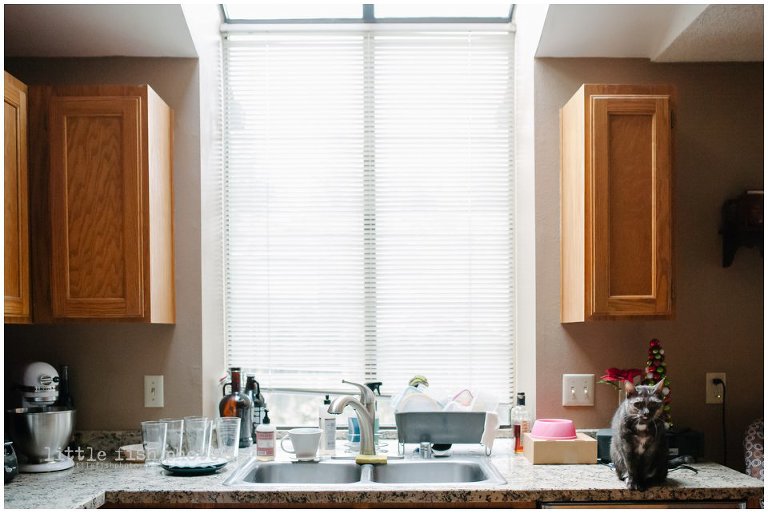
x=373 y=459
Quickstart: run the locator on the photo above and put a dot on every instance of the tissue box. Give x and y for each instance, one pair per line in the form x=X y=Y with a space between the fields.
x=582 y=450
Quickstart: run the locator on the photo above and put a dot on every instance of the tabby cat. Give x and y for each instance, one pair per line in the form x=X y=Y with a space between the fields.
x=639 y=443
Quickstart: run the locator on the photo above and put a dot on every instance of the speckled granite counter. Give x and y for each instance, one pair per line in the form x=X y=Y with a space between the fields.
x=92 y=484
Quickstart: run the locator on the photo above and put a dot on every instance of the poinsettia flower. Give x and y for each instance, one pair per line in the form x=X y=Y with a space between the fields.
x=614 y=374
x=616 y=377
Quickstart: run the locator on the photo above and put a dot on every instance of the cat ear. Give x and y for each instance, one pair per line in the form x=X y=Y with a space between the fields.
x=659 y=387
x=629 y=388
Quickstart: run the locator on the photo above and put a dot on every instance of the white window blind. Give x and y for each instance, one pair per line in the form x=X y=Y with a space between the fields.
x=369 y=208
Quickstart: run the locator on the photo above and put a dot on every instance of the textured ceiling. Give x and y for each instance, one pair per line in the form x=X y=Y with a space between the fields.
x=720 y=33
x=668 y=32
x=665 y=32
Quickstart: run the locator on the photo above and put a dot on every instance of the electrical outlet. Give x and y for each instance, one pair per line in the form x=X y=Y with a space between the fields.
x=578 y=389
x=714 y=392
x=153 y=391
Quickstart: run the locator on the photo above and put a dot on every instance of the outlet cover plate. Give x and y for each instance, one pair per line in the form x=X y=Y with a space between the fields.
x=153 y=392
x=715 y=392
x=578 y=389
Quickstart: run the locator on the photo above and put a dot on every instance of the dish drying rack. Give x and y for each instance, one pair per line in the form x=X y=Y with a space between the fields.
x=450 y=427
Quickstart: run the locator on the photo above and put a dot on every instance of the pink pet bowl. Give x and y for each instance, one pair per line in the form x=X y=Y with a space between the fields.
x=554 y=429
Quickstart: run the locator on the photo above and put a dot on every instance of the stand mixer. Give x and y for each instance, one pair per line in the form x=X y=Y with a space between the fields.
x=39 y=429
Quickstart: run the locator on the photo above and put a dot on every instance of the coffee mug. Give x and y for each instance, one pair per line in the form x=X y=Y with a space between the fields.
x=305 y=442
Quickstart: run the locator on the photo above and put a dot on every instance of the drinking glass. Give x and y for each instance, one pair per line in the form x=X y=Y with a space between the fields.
x=153 y=434
x=197 y=436
x=173 y=437
x=227 y=437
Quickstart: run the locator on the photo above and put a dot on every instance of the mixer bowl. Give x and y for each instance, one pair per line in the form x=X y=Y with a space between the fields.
x=40 y=433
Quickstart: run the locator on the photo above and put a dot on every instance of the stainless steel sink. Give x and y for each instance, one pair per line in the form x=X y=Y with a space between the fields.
x=278 y=472
x=470 y=470
x=435 y=471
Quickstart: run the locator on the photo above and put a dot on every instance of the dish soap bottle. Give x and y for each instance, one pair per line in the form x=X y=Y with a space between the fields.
x=265 y=439
x=521 y=422
x=327 y=423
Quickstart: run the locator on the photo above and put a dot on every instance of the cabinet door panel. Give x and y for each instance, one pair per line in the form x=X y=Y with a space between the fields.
x=96 y=207
x=17 y=287
x=632 y=253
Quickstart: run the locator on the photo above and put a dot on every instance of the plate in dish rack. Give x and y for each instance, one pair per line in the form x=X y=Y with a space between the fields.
x=193 y=466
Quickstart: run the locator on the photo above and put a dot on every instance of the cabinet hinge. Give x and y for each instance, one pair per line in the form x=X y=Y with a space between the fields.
x=672 y=119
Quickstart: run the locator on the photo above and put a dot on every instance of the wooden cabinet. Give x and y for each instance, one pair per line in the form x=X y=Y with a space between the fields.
x=110 y=204
x=616 y=225
x=17 y=285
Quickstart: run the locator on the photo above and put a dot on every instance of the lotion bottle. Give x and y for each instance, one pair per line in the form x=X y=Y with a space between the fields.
x=265 y=439
x=327 y=424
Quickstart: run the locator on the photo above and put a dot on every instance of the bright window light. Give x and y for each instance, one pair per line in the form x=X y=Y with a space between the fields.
x=293 y=11
x=329 y=13
x=442 y=10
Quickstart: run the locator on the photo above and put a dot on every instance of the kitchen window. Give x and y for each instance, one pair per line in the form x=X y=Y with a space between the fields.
x=368 y=199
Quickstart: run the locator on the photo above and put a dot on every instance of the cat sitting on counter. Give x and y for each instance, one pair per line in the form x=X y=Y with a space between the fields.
x=639 y=443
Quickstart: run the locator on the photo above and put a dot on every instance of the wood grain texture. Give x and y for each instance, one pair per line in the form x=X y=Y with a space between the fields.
x=97 y=252
x=16 y=192
x=627 y=250
x=572 y=204
x=94 y=198
x=39 y=219
x=161 y=235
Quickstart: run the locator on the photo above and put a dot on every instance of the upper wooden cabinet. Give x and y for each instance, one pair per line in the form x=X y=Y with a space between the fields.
x=616 y=226
x=110 y=200
x=17 y=287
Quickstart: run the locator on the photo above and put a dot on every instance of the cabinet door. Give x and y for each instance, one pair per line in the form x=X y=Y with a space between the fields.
x=96 y=207
x=17 y=288
x=631 y=205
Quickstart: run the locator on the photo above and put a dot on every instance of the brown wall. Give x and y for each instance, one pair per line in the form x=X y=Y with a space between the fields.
x=108 y=361
x=718 y=153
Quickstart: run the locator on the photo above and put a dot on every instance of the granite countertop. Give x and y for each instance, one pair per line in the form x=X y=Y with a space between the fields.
x=91 y=484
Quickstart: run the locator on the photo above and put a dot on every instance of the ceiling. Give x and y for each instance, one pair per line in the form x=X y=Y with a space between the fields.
x=139 y=30
x=663 y=33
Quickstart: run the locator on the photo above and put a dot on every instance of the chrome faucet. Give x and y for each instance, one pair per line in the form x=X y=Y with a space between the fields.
x=366 y=413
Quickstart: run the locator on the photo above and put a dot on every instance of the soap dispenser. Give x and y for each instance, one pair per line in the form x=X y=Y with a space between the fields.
x=265 y=439
x=327 y=423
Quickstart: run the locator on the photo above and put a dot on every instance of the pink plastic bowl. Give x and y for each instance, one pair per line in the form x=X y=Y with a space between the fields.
x=554 y=429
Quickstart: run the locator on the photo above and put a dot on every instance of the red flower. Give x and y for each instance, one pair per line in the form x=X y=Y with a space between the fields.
x=617 y=377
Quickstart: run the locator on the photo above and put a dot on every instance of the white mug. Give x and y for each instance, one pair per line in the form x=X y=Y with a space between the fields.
x=305 y=442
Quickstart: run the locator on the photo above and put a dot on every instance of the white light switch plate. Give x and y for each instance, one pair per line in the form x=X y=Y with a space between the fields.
x=153 y=392
x=578 y=389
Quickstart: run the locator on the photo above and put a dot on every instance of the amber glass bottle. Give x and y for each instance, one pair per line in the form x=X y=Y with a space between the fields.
x=237 y=404
x=521 y=422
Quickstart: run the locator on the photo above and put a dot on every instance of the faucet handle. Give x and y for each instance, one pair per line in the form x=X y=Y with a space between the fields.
x=366 y=395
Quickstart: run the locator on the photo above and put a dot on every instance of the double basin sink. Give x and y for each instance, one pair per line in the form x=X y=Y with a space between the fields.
x=474 y=470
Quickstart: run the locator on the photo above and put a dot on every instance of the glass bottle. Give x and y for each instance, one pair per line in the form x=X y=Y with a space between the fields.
x=237 y=404
x=253 y=391
x=521 y=422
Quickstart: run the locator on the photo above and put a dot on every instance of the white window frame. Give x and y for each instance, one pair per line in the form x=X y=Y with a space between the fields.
x=525 y=206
